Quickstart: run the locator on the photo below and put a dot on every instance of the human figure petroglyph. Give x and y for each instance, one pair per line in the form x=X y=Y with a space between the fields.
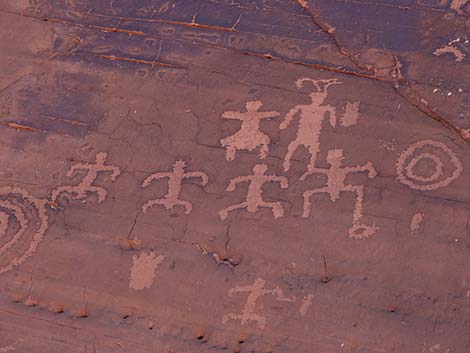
x=86 y=186
x=311 y=119
x=175 y=180
x=30 y=216
x=254 y=198
x=249 y=137
x=256 y=291
x=336 y=175
x=443 y=173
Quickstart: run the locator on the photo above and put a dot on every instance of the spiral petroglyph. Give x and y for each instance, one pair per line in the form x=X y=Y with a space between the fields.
x=23 y=223
x=428 y=165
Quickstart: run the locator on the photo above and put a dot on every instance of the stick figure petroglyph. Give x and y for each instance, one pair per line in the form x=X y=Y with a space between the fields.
x=256 y=290
x=249 y=137
x=86 y=185
x=336 y=175
x=254 y=198
x=175 y=180
x=311 y=119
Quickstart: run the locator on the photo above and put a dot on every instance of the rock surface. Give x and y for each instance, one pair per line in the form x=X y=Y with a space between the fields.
x=234 y=176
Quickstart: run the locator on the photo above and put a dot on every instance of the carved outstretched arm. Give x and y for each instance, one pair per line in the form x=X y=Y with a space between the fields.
x=231 y=115
x=204 y=177
x=289 y=117
x=73 y=169
x=312 y=171
x=368 y=167
x=240 y=289
x=115 y=172
x=269 y=115
x=282 y=180
x=234 y=182
x=153 y=177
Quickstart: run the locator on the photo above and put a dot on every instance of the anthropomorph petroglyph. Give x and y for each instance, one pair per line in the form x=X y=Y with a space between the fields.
x=336 y=175
x=256 y=291
x=175 y=180
x=86 y=186
x=311 y=119
x=249 y=137
x=143 y=270
x=254 y=198
x=23 y=224
x=428 y=165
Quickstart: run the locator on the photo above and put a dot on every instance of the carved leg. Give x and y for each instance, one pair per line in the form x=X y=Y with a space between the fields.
x=230 y=153
x=307 y=203
x=186 y=204
x=290 y=152
x=276 y=208
x=224 y=213
x=152 y=203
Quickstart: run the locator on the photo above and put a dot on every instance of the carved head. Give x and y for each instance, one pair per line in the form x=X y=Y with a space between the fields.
x=335 y=156
x=180 y=164
x=260 y=168
x=101 y=157
x=253 y=106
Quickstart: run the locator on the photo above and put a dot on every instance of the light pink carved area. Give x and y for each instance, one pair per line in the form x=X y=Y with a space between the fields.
x=451 y=49
x=457 y=5
x=256 y=291
x=351 y=114
x=336 y=175
x=29 y=213
x=249 y=137
x=416 y=222
x=175 y=181
x=86 y=186
x=254 y=199
x=144 y=270
x=306 y=303
x=431 y=151
x=311 y=120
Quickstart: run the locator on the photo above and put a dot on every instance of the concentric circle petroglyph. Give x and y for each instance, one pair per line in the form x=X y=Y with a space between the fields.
x=444 y=163
x=23 y=223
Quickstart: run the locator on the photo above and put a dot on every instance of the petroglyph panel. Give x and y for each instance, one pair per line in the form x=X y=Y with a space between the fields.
x=157 y=159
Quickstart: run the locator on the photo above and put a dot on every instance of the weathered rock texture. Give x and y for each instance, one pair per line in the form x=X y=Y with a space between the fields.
x=234 y=176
